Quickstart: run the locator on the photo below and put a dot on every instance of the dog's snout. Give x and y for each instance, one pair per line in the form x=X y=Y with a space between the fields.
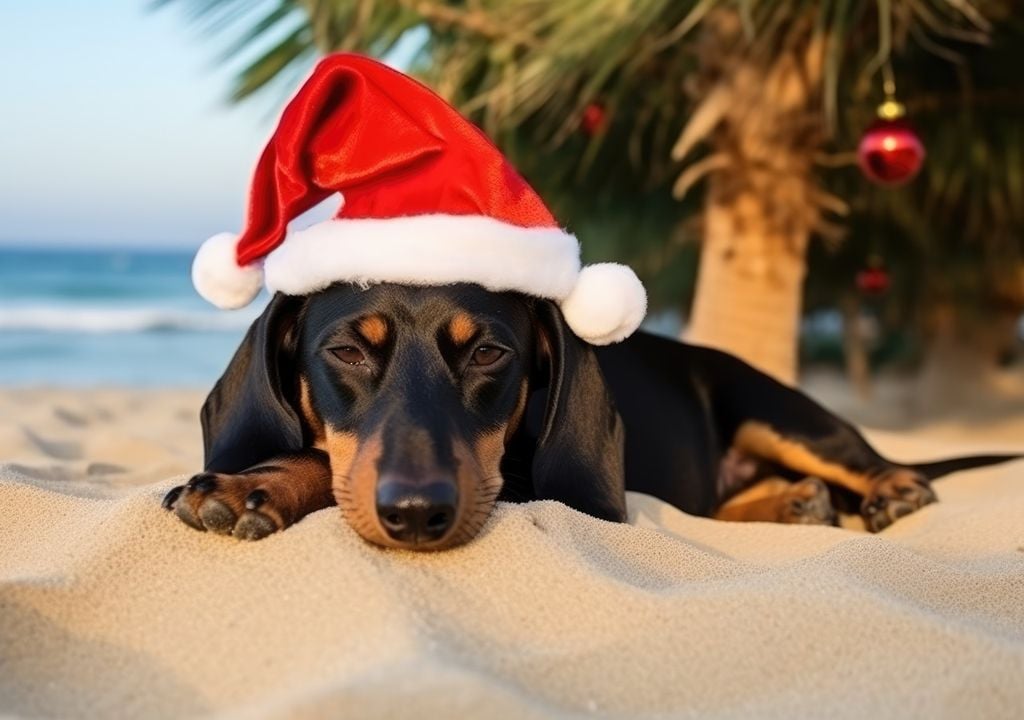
x=414 y=513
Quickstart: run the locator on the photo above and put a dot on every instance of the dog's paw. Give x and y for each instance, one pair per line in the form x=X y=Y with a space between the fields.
x=895 y=494
x=807 y=502
x=237 y=505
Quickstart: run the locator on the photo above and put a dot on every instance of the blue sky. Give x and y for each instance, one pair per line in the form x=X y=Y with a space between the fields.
x=115 y=127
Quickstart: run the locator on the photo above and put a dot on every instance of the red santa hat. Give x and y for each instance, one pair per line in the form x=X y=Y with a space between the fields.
x=426 y=199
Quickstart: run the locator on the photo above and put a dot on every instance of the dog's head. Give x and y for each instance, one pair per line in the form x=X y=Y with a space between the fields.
x=428 y=401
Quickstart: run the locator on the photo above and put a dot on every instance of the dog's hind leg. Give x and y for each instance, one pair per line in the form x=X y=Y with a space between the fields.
x=258 y=501
x=845 y=459
x=770 y=421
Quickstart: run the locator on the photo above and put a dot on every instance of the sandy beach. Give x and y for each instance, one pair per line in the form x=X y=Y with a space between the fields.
x=110 y=607
x=410 y=219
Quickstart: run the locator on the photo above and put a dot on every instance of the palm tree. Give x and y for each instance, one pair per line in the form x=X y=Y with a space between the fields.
x=615 y=108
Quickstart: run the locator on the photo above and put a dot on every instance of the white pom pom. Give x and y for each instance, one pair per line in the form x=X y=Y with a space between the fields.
x=218 y=278
x=606 y=305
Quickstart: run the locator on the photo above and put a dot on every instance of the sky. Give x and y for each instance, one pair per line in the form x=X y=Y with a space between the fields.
x=115 y=128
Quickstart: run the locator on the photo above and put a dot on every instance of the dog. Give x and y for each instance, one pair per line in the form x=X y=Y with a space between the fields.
x=415 y=409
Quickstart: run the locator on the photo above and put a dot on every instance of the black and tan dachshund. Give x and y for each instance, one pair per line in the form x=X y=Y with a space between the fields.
x=415 y=409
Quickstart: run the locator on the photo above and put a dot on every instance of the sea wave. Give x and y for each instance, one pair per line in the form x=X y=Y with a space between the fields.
x=121 y=320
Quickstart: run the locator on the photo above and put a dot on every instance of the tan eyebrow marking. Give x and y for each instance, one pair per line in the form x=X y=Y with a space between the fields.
x=373 y=328
x=462 y=328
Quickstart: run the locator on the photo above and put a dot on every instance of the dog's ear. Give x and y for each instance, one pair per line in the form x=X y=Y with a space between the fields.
x=579 y=453
x=250 y=415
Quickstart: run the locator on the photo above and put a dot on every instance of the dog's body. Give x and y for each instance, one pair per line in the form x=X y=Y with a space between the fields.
x=416 y=408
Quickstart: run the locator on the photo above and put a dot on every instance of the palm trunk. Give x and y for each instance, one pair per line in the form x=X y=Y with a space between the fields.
x=749 y=287
x=762 y=124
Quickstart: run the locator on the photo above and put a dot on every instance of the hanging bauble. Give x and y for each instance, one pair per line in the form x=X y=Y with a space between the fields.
x=890 y=152
x=874 y=279
x=593 y=118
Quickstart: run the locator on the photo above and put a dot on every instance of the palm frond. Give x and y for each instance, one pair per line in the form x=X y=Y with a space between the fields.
x=526 y=71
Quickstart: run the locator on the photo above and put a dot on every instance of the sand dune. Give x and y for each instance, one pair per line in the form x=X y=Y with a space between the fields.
x=110 y=607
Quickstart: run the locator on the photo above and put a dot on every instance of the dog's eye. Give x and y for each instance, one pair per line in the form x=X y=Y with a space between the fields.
x=486 y=355
x=349 y=354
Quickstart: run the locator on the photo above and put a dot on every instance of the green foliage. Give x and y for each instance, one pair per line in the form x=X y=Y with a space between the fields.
x=526 y=71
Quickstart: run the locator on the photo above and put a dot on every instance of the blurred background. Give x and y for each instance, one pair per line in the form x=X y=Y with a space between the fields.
x=832 y=190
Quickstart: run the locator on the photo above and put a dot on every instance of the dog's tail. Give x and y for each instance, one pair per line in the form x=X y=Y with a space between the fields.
x=939 y=468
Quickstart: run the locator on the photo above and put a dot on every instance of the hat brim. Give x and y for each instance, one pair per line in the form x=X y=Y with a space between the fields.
x=426 y=250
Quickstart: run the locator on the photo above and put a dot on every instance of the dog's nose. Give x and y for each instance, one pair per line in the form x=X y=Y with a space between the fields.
x=416 y=513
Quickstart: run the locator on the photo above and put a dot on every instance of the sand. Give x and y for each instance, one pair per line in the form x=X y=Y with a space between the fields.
x=110 y=607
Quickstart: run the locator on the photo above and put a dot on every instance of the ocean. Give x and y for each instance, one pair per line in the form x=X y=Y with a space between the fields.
x=71 y=317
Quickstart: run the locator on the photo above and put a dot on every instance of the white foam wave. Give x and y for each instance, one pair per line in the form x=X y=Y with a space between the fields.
x=121 y=320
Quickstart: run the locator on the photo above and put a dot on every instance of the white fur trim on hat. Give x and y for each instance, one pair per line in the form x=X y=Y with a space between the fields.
x=426 y=250
x=601 y=303
x=217 y=276
x=607 y=304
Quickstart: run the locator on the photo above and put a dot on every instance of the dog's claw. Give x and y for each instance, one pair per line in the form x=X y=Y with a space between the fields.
x=877 y=505
x=202 y=483
x=171 y=497
x=255 y=499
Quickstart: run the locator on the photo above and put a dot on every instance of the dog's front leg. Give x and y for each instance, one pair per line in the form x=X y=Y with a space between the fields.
x=258 y=501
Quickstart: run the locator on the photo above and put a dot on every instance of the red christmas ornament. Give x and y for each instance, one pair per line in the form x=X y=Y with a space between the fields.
x=594 y=118
x=890 y=152
x=874 y=279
